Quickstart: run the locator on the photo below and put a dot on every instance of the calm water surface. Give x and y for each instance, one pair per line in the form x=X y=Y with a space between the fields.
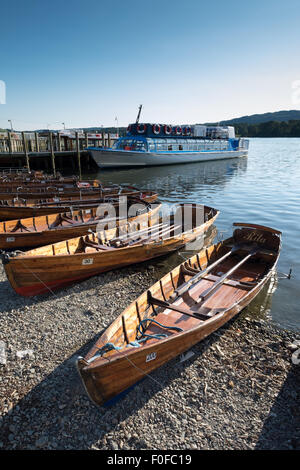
x=263 y=188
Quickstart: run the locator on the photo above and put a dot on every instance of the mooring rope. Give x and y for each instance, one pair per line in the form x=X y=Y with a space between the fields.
x=136 y=344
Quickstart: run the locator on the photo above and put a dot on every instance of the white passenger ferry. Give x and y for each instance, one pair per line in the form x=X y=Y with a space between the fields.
x=162 y=144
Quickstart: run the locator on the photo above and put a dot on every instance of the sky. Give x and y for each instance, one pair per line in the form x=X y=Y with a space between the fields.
x=85 y=63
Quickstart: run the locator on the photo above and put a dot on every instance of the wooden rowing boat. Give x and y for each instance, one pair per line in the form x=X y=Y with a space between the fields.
x=20 y=208
x=15 y=174
x=79 y=190
x=57 y=265
x=51 y=191
x=59 y=184
x=185 y=306
x=37 y=231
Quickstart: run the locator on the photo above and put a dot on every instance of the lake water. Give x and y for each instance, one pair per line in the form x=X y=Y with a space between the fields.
x=263 y=189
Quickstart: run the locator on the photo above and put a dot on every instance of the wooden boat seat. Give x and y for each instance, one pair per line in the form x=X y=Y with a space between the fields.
x=83 y=244
x=21 y=227
x=247 y=285
x=60 y=219
x=185 y=309
x=250 y=272
x=261 y=251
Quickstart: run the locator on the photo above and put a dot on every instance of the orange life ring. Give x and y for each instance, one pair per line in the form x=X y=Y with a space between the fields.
x=168 y=129
x=156 y=129
x=141 y=128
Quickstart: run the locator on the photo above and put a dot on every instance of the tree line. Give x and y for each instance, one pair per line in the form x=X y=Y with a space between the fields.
x=269 y=129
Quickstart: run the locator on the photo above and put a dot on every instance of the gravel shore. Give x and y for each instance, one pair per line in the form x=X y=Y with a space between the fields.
x=240 y=390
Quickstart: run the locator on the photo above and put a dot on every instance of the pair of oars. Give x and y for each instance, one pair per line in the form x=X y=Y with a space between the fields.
x=225 y=276
x=136 y=234
x=159 y=231
x=179 y=292
x=187 y=285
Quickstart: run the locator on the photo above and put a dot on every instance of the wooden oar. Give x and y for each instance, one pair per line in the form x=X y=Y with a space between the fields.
x=99 y=246
x=159 y=235
x=185 y=287
x=223 y=278
x=139 y=232
x=152 y=235
x=152 y=228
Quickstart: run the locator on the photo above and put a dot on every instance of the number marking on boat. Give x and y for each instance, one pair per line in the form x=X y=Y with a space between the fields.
x=10 y=239
x=87 y=261
x=151 y=357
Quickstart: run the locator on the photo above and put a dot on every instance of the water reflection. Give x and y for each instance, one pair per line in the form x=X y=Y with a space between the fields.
x=178 y=182
x=260 y=307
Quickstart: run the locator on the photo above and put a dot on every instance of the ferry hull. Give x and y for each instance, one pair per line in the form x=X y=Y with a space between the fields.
x=112 y=158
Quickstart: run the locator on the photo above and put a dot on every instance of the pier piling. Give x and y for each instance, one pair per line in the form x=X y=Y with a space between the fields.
x=25 y=150
x=78 y=154
x=52 y=153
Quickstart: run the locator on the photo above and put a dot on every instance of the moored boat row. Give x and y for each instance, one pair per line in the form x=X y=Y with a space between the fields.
x=143 y=237
x=81 y=238
x=36 y=231
x=20 y=208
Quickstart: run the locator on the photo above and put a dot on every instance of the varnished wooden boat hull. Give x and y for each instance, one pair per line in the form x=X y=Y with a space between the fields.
x=44 y=235
x=78 y=192
x=32 y=274
x=106 y=377
x=35 y=193
x=36 y=209
x=46 y=185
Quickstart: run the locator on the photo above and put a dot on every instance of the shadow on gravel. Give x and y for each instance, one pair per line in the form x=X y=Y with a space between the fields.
x=14 y=300
x=281 y=429
x=57 y=414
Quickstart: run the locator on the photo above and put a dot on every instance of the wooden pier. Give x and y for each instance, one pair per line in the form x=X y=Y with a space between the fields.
x=50 y=151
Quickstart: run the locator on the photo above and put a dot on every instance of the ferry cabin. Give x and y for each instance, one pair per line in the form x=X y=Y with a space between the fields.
x=163 y=145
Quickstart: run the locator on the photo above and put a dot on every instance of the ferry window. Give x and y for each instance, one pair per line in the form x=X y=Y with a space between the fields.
x=170 y=147
x=126 y=144
x=180 y=147
x=160 y=146
x=139 y=145
x=151 y=145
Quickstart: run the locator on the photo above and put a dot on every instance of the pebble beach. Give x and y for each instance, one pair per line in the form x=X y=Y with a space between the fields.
x=239 y=390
